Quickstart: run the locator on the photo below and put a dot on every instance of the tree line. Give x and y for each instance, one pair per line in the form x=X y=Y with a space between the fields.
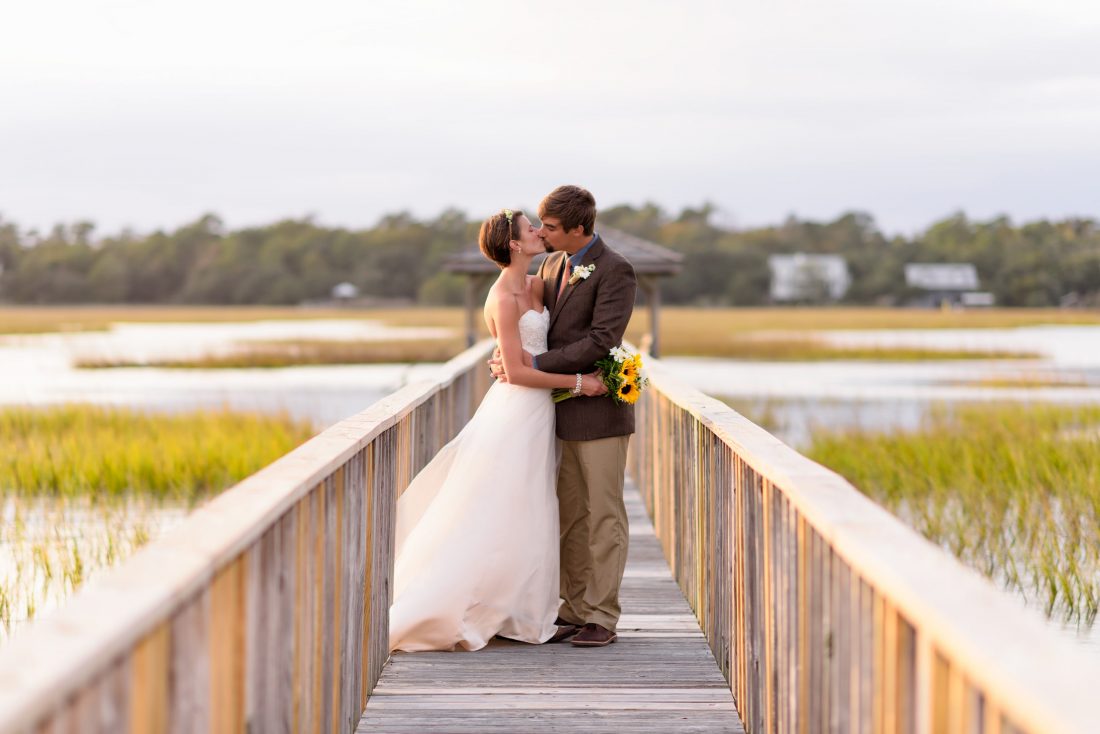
x=399 y=259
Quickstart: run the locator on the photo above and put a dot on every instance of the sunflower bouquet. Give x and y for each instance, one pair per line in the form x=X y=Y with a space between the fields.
x=622 y=374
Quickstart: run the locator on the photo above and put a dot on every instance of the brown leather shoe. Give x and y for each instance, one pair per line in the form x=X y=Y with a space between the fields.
x=594 y=635
x=565 y=631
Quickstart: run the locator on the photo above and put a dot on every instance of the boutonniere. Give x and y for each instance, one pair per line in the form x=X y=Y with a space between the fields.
x=581 y=272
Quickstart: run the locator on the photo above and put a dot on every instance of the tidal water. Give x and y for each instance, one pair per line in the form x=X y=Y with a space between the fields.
x=800 y=396
x=792 y=400
x=40 y=369
x=795 y=398
x=49 y=547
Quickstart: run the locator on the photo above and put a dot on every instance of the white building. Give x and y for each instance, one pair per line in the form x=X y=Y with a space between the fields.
x=947 y=284
x=942 y=276
x=805 y=277
x=344 y=292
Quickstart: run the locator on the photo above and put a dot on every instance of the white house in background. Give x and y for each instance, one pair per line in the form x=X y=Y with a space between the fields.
x=344 y=292
x=977 y=299
x=942 y=276
x=806 y=277
x=953 y=284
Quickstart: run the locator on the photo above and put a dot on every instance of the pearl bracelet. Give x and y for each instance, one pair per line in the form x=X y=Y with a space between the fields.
x=577 y=389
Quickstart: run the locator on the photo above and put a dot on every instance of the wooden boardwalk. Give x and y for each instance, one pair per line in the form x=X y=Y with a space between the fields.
x=659 y=677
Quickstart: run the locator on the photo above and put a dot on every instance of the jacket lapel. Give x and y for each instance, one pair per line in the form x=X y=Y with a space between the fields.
x=589 y=257
x=554 y=267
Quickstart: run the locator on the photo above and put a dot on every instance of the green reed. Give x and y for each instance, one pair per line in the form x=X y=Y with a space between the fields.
x=300 y=352
x=111 y=452
x=51 y=546
x=797 y=347
x=83 y=487
x=1011 y=490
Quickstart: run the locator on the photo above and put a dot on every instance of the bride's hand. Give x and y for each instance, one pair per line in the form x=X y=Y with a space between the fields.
x=496 y=366
x=592 y=385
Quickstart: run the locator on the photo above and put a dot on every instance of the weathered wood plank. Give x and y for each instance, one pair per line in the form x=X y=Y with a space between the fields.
x=556 y=721
x=190 y=694
x=660 y=676
x=149 y=683
x=227 y=649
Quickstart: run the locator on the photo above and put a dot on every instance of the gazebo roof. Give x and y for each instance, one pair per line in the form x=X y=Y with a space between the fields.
x=648 y=258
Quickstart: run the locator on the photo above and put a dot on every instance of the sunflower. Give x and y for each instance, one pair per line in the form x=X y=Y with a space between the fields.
x=628 y=392
x=631 y=367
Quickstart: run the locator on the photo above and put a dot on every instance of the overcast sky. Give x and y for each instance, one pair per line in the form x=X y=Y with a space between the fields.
x=146 y=114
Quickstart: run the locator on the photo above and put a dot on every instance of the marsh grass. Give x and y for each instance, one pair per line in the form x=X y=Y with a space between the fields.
x=714 y=332
x=764 y=412
x=48 y=319
x=691 y=325
x=89 y=451
x=82 y=487
x=693 y=331
x=1024 y=381
x=50 y=546
x=1013 y=491
x=301 y=352
x=859 y=318
x=805 y=348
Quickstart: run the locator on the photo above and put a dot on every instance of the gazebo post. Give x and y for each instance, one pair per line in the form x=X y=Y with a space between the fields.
x=653 y=296
x=473 y=285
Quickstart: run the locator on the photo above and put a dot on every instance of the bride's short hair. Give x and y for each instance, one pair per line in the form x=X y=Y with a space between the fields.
x=497 y=233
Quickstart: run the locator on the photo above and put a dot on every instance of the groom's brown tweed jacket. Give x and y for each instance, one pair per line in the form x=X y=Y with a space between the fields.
x=588 y=320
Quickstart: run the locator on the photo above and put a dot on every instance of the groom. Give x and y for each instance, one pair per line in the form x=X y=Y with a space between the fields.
x=589 y=290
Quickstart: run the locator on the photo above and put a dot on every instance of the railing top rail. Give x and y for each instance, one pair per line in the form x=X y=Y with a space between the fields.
x=1044 y=679
x=62 y=650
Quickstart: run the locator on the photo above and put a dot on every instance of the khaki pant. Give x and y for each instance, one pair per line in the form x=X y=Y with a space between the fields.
x=593 y=529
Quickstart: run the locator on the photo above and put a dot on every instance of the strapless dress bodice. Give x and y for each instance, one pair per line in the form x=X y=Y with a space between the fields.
x=533 y=328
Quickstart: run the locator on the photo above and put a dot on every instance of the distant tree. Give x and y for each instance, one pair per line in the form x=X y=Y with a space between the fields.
x=1038 y=263
x=645 y=221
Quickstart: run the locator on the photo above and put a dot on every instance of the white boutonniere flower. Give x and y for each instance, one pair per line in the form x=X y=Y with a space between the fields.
x=581 y=272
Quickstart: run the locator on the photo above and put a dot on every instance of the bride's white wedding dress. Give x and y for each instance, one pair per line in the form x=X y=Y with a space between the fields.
x=477 y=529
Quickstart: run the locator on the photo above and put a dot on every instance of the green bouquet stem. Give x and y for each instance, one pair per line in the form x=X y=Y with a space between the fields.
x=559 y=394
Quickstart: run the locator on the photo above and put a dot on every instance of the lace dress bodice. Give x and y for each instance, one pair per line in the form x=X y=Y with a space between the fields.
x=533 y=327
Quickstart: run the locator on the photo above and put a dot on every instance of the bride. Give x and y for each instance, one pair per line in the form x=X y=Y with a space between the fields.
x=477 y=529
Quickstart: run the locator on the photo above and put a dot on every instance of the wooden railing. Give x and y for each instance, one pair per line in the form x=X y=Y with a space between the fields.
x=267 y=610
x=826 y=613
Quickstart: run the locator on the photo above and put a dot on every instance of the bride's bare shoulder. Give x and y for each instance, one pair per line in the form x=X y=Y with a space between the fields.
x=500 y=304
x=535 y=284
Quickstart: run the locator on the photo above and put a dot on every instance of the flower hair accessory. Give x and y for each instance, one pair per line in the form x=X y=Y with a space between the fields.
x=508 y=214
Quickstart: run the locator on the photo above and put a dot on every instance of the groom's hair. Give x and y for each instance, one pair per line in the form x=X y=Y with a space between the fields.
x=572 y=206
x=496 y=235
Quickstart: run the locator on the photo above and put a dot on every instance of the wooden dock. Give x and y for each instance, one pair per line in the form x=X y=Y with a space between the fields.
x=815 y=609
x=659 y=677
